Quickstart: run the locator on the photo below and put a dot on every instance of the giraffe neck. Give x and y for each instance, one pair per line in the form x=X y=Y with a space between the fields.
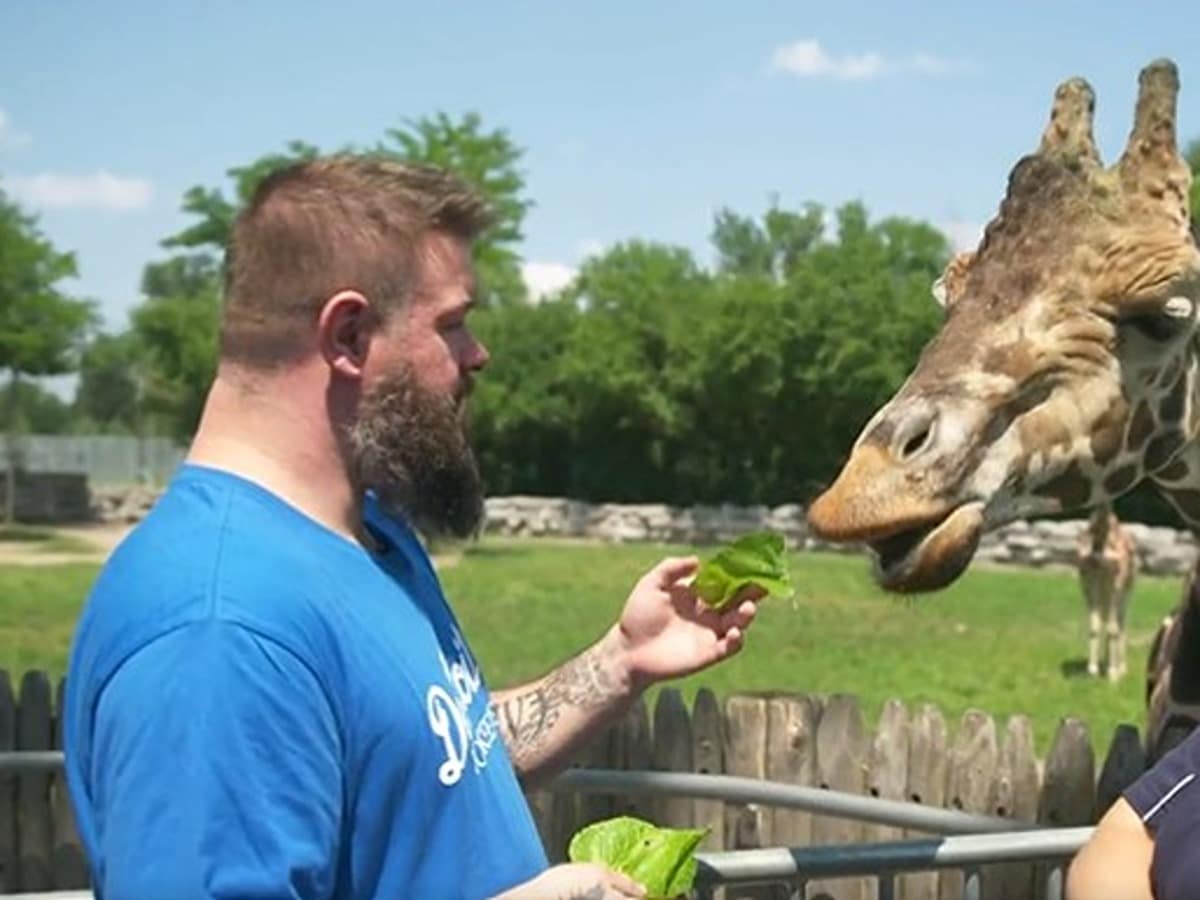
x=1179 y=478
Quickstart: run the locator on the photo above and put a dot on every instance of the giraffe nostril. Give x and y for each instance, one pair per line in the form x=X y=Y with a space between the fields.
x=914 y=435
x=915 y=443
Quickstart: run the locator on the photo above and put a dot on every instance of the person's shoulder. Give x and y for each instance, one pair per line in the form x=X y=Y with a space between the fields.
x=218 y=547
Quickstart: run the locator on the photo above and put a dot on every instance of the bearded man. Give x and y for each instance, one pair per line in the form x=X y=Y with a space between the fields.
x=268 y=695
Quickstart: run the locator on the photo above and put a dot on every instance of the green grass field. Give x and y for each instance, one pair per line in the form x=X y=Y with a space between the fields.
x=1004 y=641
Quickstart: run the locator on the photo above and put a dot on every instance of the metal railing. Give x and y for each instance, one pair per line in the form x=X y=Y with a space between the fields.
x=966 y=841
x=963 y=840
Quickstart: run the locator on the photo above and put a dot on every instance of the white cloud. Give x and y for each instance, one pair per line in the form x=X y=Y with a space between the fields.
x=806 y=58
x=10 y=138
x=544 y=278
x=962 y=235
x=99 y=190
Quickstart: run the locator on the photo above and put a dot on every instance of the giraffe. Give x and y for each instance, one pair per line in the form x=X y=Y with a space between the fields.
x=1107 y=559
x=1064 y=373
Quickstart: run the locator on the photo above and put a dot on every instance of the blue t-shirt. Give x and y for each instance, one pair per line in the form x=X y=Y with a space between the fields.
x=257 y=707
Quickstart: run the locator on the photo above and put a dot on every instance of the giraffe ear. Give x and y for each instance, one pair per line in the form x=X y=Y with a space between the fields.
x=949 y=287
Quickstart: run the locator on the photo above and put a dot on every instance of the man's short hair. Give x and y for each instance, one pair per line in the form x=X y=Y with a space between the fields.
x=322 y=226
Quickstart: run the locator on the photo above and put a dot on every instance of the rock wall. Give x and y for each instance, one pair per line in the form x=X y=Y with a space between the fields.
x=1161 y=551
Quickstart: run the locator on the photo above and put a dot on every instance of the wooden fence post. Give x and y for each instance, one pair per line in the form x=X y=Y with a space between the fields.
x=927 y=766
x=1068 y=787
x=34 y=822
x=70 y=871
x=708 y=758
x=841 y=766
x=600 y=753
x=887 y=775
x=973 y=758
x=672 y=753
x=9 y=876
x=1123 y=765
x=633 y=749
x=1014 y=795
x=745 y=755
x=792 y=759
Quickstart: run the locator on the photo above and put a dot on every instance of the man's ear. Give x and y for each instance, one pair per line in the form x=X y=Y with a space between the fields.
x=344 y=330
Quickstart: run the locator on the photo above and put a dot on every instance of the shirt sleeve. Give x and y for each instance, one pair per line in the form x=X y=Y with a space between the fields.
x=216 y=772
x=1169 y=785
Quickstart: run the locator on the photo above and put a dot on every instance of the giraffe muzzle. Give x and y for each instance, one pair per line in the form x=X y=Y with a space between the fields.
x=929 y=557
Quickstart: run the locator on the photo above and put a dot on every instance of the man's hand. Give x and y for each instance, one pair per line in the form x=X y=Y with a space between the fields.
x=576 y=881
x=666 y=631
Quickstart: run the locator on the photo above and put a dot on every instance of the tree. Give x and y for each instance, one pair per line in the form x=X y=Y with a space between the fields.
x=108 y=396
x=770 y=249
x=41 y=411
x=638 y=302
x=40 y=327
x=175 y=330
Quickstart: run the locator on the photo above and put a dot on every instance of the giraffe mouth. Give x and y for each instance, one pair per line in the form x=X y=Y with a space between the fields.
x=930 y=556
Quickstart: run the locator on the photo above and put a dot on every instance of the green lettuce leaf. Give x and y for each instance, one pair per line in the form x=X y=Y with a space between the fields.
x=662 y=860
x=759 y=558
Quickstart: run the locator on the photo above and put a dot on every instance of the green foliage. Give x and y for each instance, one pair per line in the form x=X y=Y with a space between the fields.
x=40 y=327
x=661 y=860
x=109 y=392
x=177 y=342
x=758 y=559
x=767 y=249
x=651 y=379
x=37 y=410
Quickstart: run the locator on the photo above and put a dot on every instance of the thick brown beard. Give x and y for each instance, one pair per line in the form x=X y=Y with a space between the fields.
x=411 y=447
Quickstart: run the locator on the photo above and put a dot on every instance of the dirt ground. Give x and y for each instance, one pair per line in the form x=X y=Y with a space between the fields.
x=103 y=537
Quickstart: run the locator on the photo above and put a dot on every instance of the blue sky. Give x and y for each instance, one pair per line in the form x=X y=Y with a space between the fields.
x=637 y=119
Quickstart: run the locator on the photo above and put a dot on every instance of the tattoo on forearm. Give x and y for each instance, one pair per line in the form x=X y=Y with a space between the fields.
x=527 y=718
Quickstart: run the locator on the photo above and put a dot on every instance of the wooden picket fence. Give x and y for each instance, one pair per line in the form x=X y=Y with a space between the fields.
x=808 y=740
x=39 y=847
x=911 y=755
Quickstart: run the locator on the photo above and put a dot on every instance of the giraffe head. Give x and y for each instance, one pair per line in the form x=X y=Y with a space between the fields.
x=1061 y=374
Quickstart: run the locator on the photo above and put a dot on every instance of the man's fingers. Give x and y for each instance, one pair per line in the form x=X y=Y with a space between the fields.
x=732 y=642
x=672 y=569
x=751 y=592
x=741 y=617
x=626 y=885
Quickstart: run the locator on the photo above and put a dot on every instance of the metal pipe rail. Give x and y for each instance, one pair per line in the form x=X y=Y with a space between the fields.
x=795 y=866
x=735 y=789
x=16 y=762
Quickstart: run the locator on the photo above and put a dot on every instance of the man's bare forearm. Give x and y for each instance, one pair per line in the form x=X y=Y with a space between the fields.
x=543 y=723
